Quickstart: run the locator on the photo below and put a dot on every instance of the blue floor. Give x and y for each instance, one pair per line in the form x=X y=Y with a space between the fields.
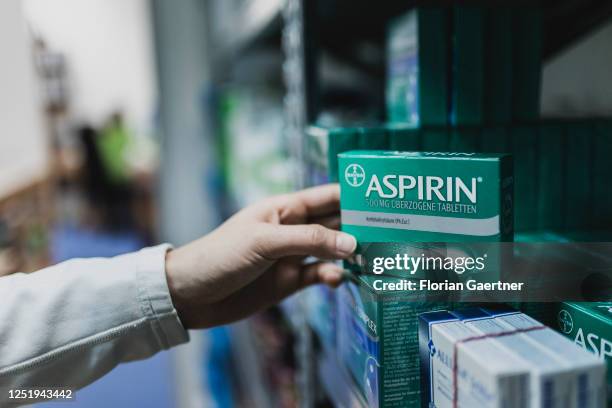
x=147 y=383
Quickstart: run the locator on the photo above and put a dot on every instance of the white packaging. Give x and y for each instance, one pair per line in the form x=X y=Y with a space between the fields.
x=590 y=372
x=486 y=375
x=552 y=382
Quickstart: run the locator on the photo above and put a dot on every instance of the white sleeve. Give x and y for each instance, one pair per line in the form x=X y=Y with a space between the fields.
x=69 y=324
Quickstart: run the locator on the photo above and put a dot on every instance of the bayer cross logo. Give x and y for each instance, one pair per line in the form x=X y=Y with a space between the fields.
x=354 y=175
x=566 y=324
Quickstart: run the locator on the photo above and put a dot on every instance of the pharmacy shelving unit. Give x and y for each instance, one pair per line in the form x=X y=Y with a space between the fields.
x=334 y=57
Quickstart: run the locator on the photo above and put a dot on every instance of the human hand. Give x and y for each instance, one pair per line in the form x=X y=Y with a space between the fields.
x=256 y=258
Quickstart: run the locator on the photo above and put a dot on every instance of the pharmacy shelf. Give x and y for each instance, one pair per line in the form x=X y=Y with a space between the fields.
x=337 y=383
x=252 y=23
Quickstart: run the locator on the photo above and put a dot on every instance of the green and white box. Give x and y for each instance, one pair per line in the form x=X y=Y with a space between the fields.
x=377 y=341
x=417 y=61
x=391 y=196
x=468 y=66
x=589 y=325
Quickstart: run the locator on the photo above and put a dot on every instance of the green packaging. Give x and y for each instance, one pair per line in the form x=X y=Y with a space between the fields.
x=468 y=66
x=465 y=139
x=377 y=340
x=316 y=156
x=524 y=150
x=551 y=145
x=335 y=140
x=435 y=139
x=498 y=66
x=426 y=196
x=602 y=192
x=527 y=63
x=495 y=140
x=373 y=138
x=403 y=137
x=417 y=61
x=577 y=188
x=589 y=325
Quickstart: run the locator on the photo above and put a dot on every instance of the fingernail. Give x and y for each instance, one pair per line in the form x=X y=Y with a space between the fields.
x=345 y=243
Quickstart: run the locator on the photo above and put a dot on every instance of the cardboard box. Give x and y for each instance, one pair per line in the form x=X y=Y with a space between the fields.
x=524 y=141
x=377 y=340
x=417 y=61
x=435 y=139
x=589 y=372
x=498 y=66
x=485 y=375
x=468 y=66
x=552 y=380
x=426 y=197
x=577 y=187
x=589 y=325
x=404 y=137
x=527 y=63
x=551 y=175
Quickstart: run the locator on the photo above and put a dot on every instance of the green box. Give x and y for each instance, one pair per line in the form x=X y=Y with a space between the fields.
x=316 y=156
x=373 y=138
x=338 y=140
x=589 y=325
x=498 y=66
x=426 y=196
x=417 y=61
x=551 y=145
x=435 y=139
x=377 y=341
x=602 y=174
x=465 y=139
x=468 y=66
x=404 y=137
x=524 y=149
x=578 y=188
x=495 y=140
x=527 y=63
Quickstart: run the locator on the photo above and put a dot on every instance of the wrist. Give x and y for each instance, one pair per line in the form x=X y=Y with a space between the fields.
x=176 y=286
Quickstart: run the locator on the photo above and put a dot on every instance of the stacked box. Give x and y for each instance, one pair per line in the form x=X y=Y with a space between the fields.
x=468 y=66
x=338 y=140
x=527 y=63
x=590 y=385
x=372 y=138
x=377 y=340
x=435 y=139
x=495 y=139
x=417 y=61
x=460 y=370
x=525 y=153
x=589 y=325
x=389 y=197
x=316 y=156
x=577 y=188
x=498 y=66
x=602 y=173
x=465 y=139
x=404 y=137
x=551 y=145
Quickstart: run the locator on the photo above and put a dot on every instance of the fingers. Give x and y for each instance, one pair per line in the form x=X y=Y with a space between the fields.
x=303 y=240
x=270 y=288
x=320 y=200
x=332 y=221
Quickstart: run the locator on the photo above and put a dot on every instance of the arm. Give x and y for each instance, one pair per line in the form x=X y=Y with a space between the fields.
x=68 y=325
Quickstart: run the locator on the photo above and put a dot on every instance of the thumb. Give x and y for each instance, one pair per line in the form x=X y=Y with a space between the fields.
x=307 y=240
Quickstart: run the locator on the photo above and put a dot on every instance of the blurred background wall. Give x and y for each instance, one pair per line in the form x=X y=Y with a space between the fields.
x=109 y=47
